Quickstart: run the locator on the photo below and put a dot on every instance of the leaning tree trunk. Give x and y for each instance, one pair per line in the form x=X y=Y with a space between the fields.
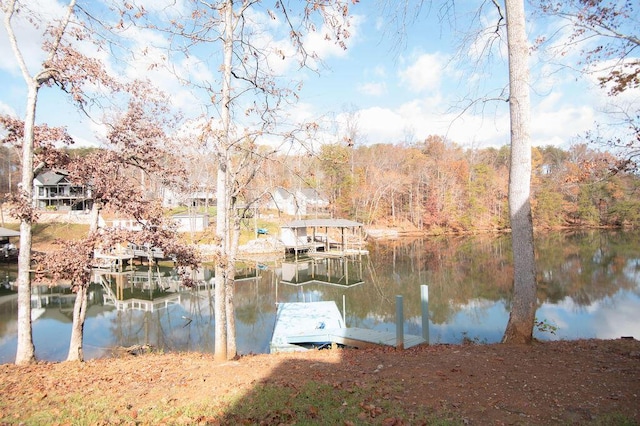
x=77 y=328
x=25 y=352
x=523 y=309
x=80 y=303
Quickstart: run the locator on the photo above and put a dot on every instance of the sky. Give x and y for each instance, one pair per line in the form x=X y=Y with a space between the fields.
x=401 y=78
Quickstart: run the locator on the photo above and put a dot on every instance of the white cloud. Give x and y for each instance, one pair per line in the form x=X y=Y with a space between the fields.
x=423 y=117
x=380 y=71
x=424 y=74
x=29 y=38
x=380 y=24
x=380 y=124
x=6 y=110
x=556 y=122
x=372 y=89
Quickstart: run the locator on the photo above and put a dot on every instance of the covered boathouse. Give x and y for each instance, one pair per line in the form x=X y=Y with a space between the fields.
x=332 y=237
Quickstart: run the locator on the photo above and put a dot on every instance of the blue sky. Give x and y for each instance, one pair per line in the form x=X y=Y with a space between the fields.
x=397 y=84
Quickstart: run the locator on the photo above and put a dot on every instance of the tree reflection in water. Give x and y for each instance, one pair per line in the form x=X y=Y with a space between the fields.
x=589 y=286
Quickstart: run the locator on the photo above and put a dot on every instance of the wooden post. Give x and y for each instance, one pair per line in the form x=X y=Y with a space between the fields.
x=399 y=323
x=424 y=297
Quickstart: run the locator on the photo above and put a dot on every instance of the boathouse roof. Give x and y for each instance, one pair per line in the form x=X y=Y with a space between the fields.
x=4 y=233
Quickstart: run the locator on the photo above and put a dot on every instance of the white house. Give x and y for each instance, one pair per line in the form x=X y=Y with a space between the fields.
x=196 y=198
x=195 y=222
x=301 y=202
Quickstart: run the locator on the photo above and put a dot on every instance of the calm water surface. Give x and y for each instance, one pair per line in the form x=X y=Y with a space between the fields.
x=589 y=287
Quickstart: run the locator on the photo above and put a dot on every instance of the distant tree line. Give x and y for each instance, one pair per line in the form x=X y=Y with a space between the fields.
x=437 y=186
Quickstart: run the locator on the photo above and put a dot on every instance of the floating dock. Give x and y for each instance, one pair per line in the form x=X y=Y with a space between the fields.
x=300 y=326
x=304 y=321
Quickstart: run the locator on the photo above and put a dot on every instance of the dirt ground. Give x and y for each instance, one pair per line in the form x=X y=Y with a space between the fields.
x=546 y=383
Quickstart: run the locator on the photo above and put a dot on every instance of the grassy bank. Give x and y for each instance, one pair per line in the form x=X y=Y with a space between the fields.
x=45 y=234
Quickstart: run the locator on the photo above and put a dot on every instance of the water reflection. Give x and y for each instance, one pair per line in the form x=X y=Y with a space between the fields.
x=589 y=286
x=340 y=271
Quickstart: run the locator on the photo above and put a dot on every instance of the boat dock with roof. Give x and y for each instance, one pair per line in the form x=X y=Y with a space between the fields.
x=332 y=237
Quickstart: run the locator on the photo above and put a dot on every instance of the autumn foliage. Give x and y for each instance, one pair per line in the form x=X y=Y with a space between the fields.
x=437 y=186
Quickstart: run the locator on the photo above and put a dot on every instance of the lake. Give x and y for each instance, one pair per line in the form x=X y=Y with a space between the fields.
x=588 y=287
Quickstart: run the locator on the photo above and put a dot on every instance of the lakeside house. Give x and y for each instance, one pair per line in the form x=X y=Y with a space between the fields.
x=52 y=190
x=199 y=197
x=302 y=202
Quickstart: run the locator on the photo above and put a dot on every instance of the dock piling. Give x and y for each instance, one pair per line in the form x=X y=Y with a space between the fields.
x=399 y=323
x=344 y=310
x=424 y=296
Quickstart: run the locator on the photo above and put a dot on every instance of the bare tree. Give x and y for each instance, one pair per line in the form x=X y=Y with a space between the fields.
x=605 y=36
x=34 y=81
x=244 y=102
x=521 y=319
x=521 y=322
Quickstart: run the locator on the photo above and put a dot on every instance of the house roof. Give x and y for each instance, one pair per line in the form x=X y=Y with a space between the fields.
x=324 y=223
x=50 y=177
x=311 y=194
x=283 y=193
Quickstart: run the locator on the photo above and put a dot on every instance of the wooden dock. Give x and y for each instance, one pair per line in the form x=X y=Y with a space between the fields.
x=300 y=326
x=116 y=258
x=113 y=260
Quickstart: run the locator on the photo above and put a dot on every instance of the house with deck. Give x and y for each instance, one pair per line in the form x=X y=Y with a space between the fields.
x=52 y=190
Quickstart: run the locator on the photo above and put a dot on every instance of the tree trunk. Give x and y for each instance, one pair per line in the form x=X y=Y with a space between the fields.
x=220 y=346
x=222 y=221
x=79 y=315
x=521 y=320
x=80 y=303
x=232 y=349
x=25 y=352
x=94 y=217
